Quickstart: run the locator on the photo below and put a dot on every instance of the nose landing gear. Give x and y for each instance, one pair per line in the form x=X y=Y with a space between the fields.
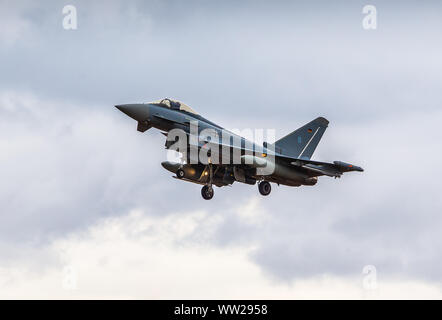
x=180 y=173
x=264 y=188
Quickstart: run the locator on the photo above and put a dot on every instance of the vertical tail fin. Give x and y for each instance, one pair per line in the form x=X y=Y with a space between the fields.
x=302 y=142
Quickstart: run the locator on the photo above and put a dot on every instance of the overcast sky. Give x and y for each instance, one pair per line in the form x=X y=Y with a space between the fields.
x=83 y=195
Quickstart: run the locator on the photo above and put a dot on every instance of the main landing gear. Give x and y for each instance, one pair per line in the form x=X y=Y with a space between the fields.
x=264 y=188
x=207 y=191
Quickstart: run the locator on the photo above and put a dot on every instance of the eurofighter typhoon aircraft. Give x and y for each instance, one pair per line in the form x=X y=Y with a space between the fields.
x=213 y=155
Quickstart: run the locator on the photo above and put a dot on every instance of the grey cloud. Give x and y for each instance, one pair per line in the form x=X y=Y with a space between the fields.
x=295 y=57
x=69 y=158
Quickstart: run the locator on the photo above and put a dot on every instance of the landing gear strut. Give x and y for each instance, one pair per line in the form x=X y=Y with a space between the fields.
x=207 y=191
x=264 y=188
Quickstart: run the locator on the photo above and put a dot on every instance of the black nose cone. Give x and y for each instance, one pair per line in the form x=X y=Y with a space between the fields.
x=139 y=112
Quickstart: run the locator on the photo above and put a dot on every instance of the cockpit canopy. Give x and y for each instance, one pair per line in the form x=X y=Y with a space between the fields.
x=173 y=104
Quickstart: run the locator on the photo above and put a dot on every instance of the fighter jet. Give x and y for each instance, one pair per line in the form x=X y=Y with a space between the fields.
x=214 y=156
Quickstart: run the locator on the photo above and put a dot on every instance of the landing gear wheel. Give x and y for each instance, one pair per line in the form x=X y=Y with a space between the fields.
x=180 y=173
x=264 y=188
x=207 y=192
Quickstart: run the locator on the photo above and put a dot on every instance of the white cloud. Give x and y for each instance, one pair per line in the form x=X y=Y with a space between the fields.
x=142 y=257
